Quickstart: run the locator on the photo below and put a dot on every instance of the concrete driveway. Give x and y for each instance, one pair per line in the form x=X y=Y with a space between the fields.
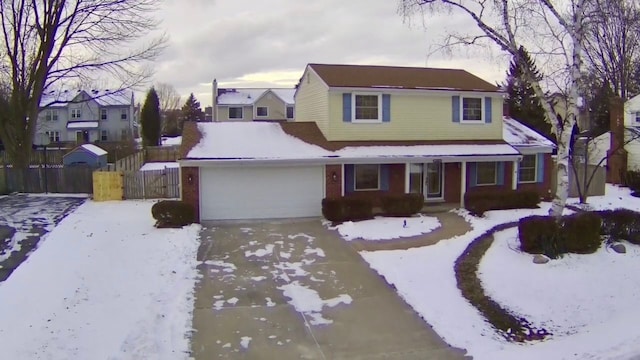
x=24 y=219
x=295 y=290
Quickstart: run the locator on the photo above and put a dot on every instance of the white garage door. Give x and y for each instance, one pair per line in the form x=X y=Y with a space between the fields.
x=260 y=192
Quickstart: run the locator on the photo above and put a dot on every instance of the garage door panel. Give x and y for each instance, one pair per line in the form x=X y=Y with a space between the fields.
x=260 y=192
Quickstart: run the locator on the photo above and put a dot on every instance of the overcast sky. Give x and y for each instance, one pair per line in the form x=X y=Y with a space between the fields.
x=267 y=43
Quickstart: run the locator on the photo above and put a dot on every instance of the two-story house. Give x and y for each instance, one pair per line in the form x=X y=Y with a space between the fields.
x=252 y=104
x=85 y=116
x=364 y=131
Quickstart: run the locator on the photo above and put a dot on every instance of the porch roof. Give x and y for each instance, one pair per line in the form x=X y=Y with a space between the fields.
x=522 y=137
x=82 y=125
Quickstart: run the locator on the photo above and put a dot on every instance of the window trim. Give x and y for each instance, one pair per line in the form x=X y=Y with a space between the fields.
x=124 y=114
x=353 y=108
x=355 y=173
x=235 y=107
x=124 y=134
x=51 y=115
x=104 y=112
x=637 y=116
x=104 y=134
x=262 y=116
x=535 y=170
x=482 y=110
x=53 y=135
x=75 y=111
x=495 y=173
x=293 y=111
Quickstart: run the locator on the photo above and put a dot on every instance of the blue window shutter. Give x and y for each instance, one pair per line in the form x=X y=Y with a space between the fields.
x=455 y=109
x=500 y=174
x=487 y=110
x=472 y=175
x=384 y=177
x=346 y=107
x=540 y=165
x=386 y=108
x=348 y=179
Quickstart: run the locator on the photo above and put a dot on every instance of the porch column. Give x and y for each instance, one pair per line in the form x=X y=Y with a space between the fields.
x=463 y=182
x=514 y=175
x=342 y=180
x=407 y=174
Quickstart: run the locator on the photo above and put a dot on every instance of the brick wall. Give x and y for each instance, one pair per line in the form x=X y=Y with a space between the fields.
x=191 y=188
x=333 y=188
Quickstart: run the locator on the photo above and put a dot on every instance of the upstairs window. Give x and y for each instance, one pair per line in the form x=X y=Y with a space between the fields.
x=262 y=111
x=51 y=115
x=289 y=112
x=471 y=109
x=527 y=169
x=124 y=114
x=637 y=116
x=76 y=113
x=235 y=113
x=366 y=108
x=103 y=114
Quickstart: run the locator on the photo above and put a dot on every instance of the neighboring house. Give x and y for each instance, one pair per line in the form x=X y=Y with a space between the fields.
x=85 y=116
x=252 y=104
x=363 y=131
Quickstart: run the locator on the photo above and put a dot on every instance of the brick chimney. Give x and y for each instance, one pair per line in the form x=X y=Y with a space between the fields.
x=617 y=162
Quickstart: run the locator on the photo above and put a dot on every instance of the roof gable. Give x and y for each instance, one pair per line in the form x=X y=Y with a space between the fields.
x=395 y=77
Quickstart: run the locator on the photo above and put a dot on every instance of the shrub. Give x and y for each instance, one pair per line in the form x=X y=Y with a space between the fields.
x=632 y=180
x=477 y=202
x=578 y=233
x=621 y=224
x=346 y=208
x=172 y=213
x=401 y=204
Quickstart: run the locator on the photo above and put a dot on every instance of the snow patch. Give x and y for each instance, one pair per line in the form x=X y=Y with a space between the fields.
x=387 y=228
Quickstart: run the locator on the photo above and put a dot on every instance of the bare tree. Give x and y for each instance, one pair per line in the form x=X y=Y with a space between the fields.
x=612 y=44
x=169 y=97
x=50 y=44
x=540 y=28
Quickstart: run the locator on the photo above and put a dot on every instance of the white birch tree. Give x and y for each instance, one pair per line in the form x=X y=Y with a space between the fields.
x=554 y=31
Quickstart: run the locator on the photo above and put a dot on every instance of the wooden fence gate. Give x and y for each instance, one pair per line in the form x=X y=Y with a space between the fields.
x=155 y=184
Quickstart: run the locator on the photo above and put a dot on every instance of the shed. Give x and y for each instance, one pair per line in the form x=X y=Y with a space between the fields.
x=87 y=155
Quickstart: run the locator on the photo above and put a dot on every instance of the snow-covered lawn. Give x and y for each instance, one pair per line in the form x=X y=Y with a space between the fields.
x=386 y=228
x=589 y=302
x=105 y=284
x=159 y=166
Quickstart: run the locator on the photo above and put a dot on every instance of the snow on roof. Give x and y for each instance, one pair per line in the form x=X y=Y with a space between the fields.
x=159 y=166
x=82 y=125
x=251 y=140
x=426 y=150
x=248 y=96
x=519 y=135
x=102 y=97
x=94 y=149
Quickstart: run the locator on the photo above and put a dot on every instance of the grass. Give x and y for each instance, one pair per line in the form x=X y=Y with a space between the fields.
x=466 y=268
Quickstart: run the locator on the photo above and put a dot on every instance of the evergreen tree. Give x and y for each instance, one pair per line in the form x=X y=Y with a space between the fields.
x=522 y=102
x=191 y=110
x=150 y=119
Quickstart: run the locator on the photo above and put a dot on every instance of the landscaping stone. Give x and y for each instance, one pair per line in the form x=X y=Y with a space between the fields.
x=619 y=248
x=540 y=259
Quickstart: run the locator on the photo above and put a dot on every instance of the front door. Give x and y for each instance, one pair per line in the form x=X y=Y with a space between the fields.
x=433 y=181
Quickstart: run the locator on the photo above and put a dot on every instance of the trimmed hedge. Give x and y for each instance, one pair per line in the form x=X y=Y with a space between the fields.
x=172 y=214
x=578 y=233
x=346 y=208
x=401 y=204
x=621 y=224
x=478 y=202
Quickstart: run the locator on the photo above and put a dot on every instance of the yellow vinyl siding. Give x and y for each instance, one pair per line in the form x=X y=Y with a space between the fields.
x=223 y=113
x=414 y=117
x=276 y=107
x=312 y=101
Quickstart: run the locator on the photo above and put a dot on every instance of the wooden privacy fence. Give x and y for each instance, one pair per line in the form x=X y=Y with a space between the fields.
x=130 y=163
x=37 y=157
x=69 y=180
x=596 y=187
x=155 y=184
x=162 y=153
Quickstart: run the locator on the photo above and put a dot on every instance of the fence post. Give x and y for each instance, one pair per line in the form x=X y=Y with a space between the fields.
x=144 y=181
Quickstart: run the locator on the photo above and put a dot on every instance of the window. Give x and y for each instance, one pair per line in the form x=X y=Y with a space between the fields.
x=471 y=109
x=104 y=135
x=51 y=115
x=638 y=116
x=527 y=169
x=366 y=177
x=486 y=173
x=76 y=113
x=366 y=108
x=235 y=113
x=124 y=114
x=262 y=111
x=124 y=135
x=103 y=114
x=54 y=136
x=289 y=112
